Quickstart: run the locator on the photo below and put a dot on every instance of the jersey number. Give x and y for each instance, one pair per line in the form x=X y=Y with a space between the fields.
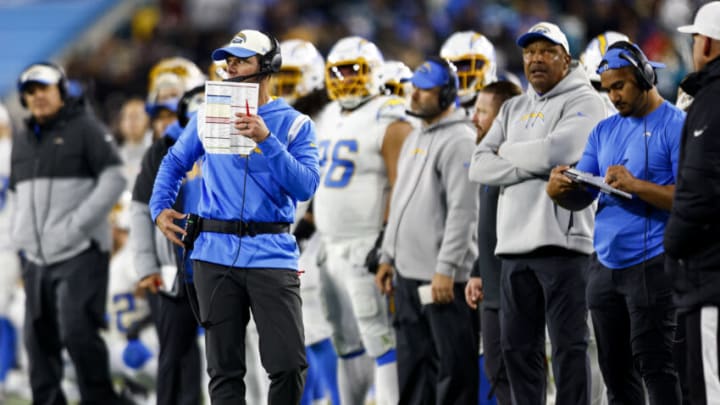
x=124 y=306
x=341 y=170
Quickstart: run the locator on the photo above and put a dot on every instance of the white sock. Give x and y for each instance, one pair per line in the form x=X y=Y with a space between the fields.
x=386 y=384
x=354 y=378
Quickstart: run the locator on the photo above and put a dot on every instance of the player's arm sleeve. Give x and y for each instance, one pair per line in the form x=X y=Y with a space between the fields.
x=179 y=159
x=461 y=200
x=564 y=145
x=295 y=167
x=105 y=163
x=486 y=166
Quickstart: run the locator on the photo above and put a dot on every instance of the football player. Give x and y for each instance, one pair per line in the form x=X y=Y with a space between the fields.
x=359 y=138
x=590 y=60
x=473 y=56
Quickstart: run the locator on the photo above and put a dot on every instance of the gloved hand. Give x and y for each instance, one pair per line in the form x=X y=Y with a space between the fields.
x=136 y=354
x=372 y=260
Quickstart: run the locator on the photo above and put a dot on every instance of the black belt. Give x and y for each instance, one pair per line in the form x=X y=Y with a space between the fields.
x=242 y=228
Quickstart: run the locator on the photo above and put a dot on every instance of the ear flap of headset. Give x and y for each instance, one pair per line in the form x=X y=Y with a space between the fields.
x=644 y=72
x=272 y=61
x=448 y=92
x=62 y=83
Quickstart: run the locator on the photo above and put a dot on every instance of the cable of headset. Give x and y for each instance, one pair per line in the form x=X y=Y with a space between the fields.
x=648 y=208
x=195 y=307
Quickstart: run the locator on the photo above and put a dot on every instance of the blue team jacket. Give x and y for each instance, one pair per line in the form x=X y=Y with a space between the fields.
x=282 y=170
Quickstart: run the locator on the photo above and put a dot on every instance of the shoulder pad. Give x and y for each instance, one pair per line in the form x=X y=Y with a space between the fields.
x=392 y=108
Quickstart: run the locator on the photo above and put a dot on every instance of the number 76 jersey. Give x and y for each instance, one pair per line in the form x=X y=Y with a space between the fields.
x=351 y=199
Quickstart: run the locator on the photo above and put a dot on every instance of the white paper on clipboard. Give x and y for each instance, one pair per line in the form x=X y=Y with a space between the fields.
x=169 y=275
x=222 y=101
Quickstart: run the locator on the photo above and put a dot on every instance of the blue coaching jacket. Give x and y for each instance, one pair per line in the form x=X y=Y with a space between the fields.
x=280 y=171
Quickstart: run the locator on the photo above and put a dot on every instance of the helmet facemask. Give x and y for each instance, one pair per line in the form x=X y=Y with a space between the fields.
x=471 y=71
x=349 y=82
x=285 y=83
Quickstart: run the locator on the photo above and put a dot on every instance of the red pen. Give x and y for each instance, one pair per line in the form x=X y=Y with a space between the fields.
x=247 y=108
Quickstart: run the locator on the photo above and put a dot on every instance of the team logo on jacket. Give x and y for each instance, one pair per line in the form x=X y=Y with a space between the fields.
x=532 y=118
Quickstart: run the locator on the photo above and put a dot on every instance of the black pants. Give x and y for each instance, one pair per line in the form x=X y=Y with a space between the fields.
x=65 y=307
x=702 y=338
x=179 y=376
x=634 y=321
x=436 y=348
x=535 y=289
x=494 y=363
x=226 y=296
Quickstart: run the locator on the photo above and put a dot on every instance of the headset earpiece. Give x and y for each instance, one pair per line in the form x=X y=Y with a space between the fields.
x=62 y=83
x=644 y=72
x=272 y=60
x=449 y=90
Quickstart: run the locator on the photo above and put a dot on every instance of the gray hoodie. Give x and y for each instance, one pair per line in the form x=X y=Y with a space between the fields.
x=434 y=207
x=532 y=134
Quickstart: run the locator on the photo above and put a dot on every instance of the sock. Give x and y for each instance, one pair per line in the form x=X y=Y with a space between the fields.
x=386 y=379
x=355 y=375
x=327 y=367
x=7 y=347
x=485 y=386
x=311 y=378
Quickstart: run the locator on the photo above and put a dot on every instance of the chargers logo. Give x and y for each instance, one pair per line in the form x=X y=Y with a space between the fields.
x=541 y=29
x=239 y=38
x=532 y=118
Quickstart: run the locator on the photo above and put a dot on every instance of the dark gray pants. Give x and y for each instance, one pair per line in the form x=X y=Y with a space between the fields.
x=494 y=363
x=65 y=307
x=179 y=371
x=546 y=286
x=226 y=296
x=634 y=321
x=436 y=348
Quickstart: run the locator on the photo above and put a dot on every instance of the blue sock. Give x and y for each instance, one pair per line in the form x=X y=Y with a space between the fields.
x=311 y=379
x=484 y=385
x=389 y=357
x=327 y=361
x=8 y=353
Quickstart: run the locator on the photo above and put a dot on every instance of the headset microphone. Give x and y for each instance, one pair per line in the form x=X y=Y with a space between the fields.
x=418 y=115
x=243 y=78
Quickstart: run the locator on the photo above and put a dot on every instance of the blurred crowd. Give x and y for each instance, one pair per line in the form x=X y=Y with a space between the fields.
x=406 y=30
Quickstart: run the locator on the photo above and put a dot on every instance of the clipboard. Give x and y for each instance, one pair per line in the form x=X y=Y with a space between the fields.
x=595 y=181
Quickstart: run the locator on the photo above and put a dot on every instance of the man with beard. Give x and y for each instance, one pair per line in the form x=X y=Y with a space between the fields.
x=628 y=293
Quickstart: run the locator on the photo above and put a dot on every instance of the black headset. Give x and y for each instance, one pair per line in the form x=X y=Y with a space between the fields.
x=62 y=83
x=271 y=61
x=449 y=89
x=644 y=72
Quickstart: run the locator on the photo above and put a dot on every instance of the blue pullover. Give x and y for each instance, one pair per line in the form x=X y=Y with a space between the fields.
x=280 y=171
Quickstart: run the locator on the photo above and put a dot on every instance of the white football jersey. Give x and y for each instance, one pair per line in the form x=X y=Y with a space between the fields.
x=350 y=201
x=123 y=307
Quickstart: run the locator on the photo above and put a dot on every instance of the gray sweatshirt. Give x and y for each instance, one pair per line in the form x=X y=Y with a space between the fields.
x=434 y=207
x=532 y=134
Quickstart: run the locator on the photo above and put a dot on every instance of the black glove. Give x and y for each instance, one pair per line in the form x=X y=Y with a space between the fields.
x=372 y=260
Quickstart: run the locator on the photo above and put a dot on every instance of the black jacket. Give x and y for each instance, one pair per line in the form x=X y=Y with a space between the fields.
x=66 y=175
x=692 y=234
